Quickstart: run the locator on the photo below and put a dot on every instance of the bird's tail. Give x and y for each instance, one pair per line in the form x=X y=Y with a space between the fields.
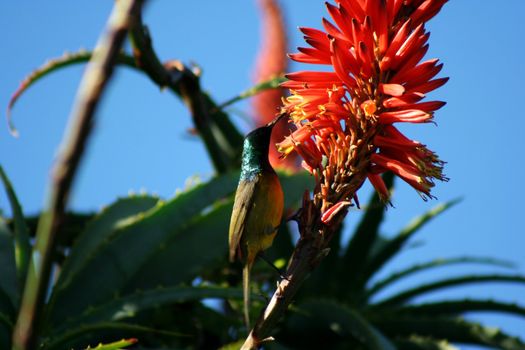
x=246 y=294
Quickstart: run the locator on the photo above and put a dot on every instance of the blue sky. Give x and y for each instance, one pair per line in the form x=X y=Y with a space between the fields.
x=141 y=139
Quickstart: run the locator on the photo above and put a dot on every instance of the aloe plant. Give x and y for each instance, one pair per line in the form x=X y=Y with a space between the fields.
x=152 y=273
x=143 y=266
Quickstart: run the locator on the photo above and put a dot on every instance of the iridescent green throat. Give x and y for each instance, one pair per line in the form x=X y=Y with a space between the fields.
x=254 y=159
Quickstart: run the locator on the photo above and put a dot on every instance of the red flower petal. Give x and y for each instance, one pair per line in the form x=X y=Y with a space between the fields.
x=413 y=43
x=429 y=86
x=393 y=7
x=304 y=58
x=396 y=43
x=391 y=89
x=316 y=77
x=332 y=30
x=408 y=115
x=406 y=172
x=377 y=181
x=334 y=209
x=427 y=10
x=339 y=18
x=403 y=101
x=344 y=64
x=428 y=107
x=418 y=74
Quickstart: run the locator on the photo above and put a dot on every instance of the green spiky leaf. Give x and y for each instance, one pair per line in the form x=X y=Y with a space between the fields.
x=325 y=279
x=115 y=345
x=455 y=307
x=53 y=65
x=205 y=234
x=272 y=83
x=131 y=244
x=423 y=343
x=420 y=290
x=186 y=251
x=393 y=246
x=73 y=224
x=21 y=237
x=82 y=336
x=363 y=239
x=6 y=327
x=222 y=139
x=101 y=228
x=454 y=330
x=387 y=281
x=9 y=291
x=129 y=306
x=328 y=319
x=233 y=346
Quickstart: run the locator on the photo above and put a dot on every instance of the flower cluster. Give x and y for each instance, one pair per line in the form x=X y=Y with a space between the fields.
x=345 y=115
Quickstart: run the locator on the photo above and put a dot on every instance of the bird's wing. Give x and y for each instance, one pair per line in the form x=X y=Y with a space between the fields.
x=242 y=206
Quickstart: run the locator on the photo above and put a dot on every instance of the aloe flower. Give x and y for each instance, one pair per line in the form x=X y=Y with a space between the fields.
x=346 y=115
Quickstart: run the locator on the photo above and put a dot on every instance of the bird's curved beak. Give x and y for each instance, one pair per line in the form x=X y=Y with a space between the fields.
x=276 y=119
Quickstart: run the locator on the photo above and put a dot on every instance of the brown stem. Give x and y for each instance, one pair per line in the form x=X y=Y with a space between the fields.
x=311 y=248
x=88 y=97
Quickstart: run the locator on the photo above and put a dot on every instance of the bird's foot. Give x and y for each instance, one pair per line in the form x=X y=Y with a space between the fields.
x=266 y=260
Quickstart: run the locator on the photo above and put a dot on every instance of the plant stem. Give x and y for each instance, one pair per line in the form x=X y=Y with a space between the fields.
x=308 y=253
x=95 y=79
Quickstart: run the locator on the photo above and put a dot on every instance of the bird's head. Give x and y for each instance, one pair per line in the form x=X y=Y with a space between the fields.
x=260 y=137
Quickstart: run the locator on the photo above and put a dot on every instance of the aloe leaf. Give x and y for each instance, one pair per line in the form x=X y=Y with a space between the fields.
x=6 y=306
x=22 y=244
x=363 y=239
x=186 y=252
x=387 y=281
x=454 y=330
x=222 y=139
x=407 y=295
x=73 y=224
x=9 y=292
x=393 y=246
x=272 y=83
x=273 y=345
x=423 y=343
x=187 y=233
x=5 y=320
x=7 y=311
x=6 y=327
x=233 y=346
x=455 y=307
x=82 y=336
x=115 y=345
x=100 y=229
x=53 y=65
x=325 y=279
x=200 y=242
x=131 y=244
x=282 y=246
x=316 y=317
x=294 y=186
x=129 y=306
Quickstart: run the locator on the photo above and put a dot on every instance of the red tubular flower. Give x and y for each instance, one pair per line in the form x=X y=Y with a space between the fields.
x=345 y=116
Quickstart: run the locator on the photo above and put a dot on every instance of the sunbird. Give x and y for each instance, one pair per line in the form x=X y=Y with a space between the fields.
x=258 y=206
